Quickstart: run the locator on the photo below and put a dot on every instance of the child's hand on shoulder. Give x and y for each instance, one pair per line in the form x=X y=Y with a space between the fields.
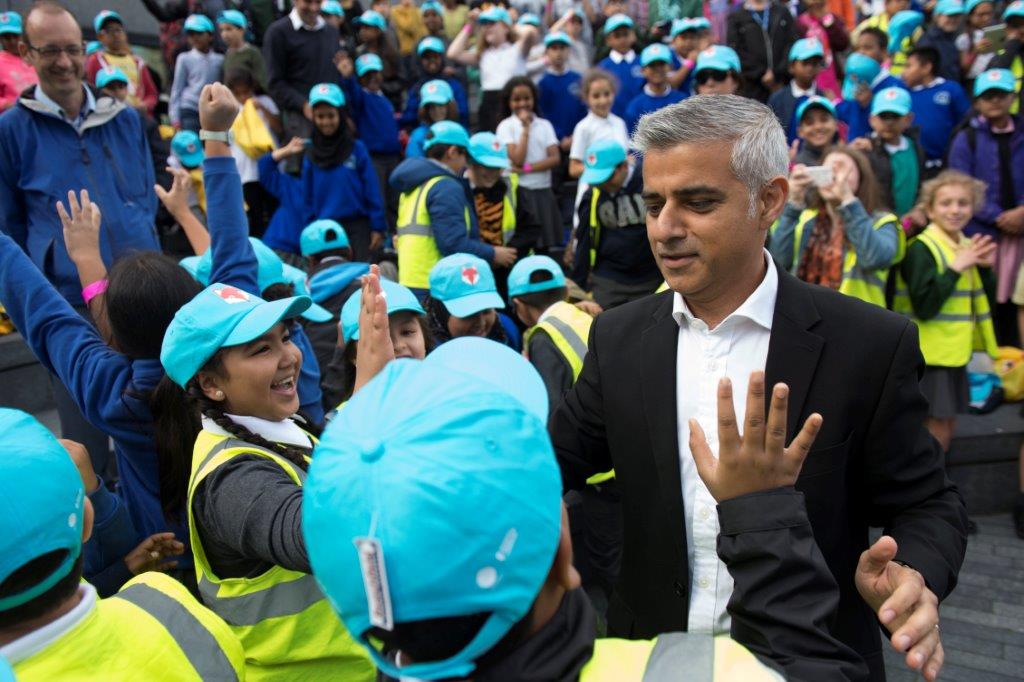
x=218 y=108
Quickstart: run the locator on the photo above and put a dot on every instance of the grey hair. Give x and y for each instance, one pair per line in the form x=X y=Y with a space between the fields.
x=759 y=152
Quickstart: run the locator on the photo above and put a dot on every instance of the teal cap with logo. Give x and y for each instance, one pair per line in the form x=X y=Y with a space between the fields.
x=1015 y=10
x=432 y=6
x=465 y=285
x=322 y=235
x=220 y=315
x=600 y=160
x=111 y=74
x=92 y=47
x=430 y=44
x=717 y=58
x=186 y=146
x=374 y=19
x=519 y=283
x=655 y=53
x=995 y=79
x=557 y=38
x=447 y=132
x=43 y=500
x=233 y=17
x=326 y=93
x=891 y=101
x=332 y=8
x=427 y=463
x=617 y=21
x=10 y=23
x=949 y=8
x=806 y=48
x=368 y=62
x=860 y=70
x=437 y=91
x=487 y=150
x=198 y=23
x=103 y=17
x=396 y=296
x=815 y=102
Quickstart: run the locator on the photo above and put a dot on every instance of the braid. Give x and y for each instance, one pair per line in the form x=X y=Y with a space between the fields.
x=212 y=410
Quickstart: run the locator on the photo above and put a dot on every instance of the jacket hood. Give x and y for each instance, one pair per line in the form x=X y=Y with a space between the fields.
x=413 y=172
x=106 y=107
x=332 y=281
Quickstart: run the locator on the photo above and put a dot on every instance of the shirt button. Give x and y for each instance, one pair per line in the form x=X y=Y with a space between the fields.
x=704 y=583
x=704 y=513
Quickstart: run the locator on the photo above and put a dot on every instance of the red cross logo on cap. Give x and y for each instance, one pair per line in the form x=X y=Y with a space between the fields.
x=993 y=75
x=191 y=147
x=5 y=18
x=232 y=295
x=470 y=275
x=496 y=146
x=710 y=51
x=891 y=94
x=323 y=88
x=591 y=158
x=431 y=87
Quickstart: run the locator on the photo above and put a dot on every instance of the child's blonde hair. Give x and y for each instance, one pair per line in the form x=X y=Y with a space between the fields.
x=594 y=76
x=951 y=177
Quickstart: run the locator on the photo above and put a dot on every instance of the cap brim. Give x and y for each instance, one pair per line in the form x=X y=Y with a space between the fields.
x=493 y=161
x=262 y=318
x=317 y=313
x=534 y=287
x=657 y=60
x=322 y=100
x=993 y=86
x=362 y=73
x=433 y=100
x=595 y=176
x=465 y=306
x=549 y=43
x=10 y=30
x=191 y=160
x=889 y=110
x=849 y=89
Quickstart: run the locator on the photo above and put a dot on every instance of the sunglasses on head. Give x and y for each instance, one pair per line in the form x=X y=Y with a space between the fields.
x=711 y=75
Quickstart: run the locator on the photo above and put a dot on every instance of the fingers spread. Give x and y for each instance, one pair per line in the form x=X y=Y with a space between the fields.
x=728 y=433
x=797 y=451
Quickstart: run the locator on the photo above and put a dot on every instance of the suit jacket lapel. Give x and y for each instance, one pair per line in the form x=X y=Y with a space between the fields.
x=793 y=351
x=658 y=373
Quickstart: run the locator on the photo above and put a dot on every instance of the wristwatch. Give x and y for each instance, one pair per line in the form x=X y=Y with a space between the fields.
x=225 y=136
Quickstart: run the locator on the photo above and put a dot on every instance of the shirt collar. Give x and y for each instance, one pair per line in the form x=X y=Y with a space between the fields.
x=1008 y=128
x=285 y=431
x=618 y=57
x=297 y=24
x=893 y=148
x=800 y=92
x=88 y=105
x=938 y=81
x=758 y=308
x=37 y=640
x=651 y=93
x=882 y=75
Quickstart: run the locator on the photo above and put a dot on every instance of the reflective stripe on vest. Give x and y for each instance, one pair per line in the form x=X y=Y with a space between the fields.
x=509 y=206
x=569 y=329
x=963 y=323
x=867 y=285
x=285 y=623
x=414 y=241
x=201 y=648
x=1017 y=69
x=595 y=225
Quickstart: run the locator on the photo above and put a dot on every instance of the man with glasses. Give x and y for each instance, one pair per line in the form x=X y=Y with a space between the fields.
x=63 y=136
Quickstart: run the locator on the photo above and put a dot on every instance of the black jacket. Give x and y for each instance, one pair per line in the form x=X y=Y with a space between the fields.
x=873 y=463
x=759 y=50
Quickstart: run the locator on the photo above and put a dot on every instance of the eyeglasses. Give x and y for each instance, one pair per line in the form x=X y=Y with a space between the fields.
x=53 y=51
x=711 y=75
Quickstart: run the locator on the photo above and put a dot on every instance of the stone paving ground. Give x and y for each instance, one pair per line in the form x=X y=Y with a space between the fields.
x=983 y=620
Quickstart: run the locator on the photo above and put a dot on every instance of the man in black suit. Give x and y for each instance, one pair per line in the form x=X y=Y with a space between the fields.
x=659 y=368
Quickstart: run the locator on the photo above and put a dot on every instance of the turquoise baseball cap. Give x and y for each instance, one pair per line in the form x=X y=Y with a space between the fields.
x=92 y=47
x=198 y=23
x=681 y=26
x=815 y=102
x=464 y=284
x=701 y=23
x=332 y=8
x=1014 y=10
x=187 y=147
x=430 y=44
x=374 y=19
x=806 y=48
x=901 y=26
x=103 y=17
x=949 y=8
x=447 y=132
x=220 y=315
x=519 y=278
x=717 y=58
x=656 y=52
x=432 y=6
x=529 y=19
x=891 y=101
x=557 y=38
x=487 y=150
x=617 y=21
x=397 y=297
x=43 y=500
x=368 y=62
x=426 y=465
x=191 y=265
x=298 y=279
x=971 y=4
x=995 y=79
x=10 y=23
x=322 y=235
x=326 y=93
x=495 y=15
x=860 y=70
x=112 y=74
x=437 y=91
x=600 y=161
x=233 y=17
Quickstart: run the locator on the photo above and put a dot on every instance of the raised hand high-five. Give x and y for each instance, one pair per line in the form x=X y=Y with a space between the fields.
x=81 y=222
x=375 y=349
x=759 y=459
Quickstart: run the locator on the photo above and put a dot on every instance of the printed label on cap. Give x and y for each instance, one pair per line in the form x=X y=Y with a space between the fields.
x=375 y=582
x=232 y=295
x=496 y=146
x=591 y=158
x=470 y=275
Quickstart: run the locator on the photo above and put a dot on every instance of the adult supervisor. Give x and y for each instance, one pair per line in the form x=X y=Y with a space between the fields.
x=715 y=171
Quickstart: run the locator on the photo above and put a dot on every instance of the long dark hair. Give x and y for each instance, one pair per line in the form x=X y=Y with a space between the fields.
x=506 y=95
x=437 y=317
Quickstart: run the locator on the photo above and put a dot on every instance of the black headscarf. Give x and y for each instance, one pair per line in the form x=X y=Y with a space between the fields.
x=328 y=151
x=437 y=319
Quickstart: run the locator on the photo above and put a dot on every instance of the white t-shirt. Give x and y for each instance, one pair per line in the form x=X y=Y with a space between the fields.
x=499 y=64
x=588 y=131
x=248 y=167
x=542 y=136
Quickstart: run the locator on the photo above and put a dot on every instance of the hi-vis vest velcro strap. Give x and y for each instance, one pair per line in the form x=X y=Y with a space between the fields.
x=282 y=599
x=510 y=204
x=195 y=641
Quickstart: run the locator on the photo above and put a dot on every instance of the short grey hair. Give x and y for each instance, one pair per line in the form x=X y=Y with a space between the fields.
x=759 y=151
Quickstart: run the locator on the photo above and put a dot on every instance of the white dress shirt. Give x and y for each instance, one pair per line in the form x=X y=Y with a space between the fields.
x=734 y=349
x=297 y=22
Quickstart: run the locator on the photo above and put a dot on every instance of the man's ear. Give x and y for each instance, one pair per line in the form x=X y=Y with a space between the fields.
x=772 y=200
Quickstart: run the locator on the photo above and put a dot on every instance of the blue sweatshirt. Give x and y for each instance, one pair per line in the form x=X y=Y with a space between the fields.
x=559 y=101
x=414 y=147
x=348 y=191
x=858 y=118
x=289 y=219
x=447 y=202
x=938 y=109
x=112 y=389
x=113 y=538
x=411 y=114
x=375 y=118
x=631 y=82
x=645 y=104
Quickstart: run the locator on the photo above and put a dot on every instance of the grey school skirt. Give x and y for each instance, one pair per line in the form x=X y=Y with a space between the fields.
x=947 y=391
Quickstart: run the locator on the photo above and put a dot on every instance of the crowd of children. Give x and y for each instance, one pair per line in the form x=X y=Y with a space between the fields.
x=472 y=167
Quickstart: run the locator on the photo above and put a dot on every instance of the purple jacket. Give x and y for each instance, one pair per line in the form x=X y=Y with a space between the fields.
x=982 y=163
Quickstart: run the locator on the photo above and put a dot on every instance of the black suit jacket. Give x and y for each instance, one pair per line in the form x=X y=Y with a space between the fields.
x=873 y=463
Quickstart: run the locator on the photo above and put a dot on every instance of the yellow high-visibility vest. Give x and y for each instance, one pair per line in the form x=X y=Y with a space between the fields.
x=675 y=656
x=415 y=243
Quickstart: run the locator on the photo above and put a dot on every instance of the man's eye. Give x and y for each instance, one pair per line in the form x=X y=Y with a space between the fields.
x=653 y=209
